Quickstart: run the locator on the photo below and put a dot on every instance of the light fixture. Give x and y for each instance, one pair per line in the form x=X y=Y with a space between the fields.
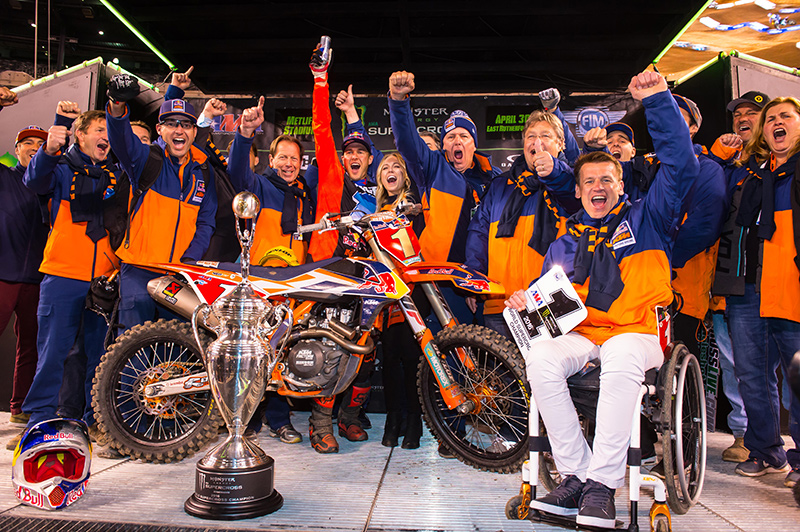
x=115 y=60
x=101 y=32
x=136 y=32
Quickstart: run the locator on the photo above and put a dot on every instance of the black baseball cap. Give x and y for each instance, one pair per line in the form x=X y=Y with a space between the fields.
x=759 y=99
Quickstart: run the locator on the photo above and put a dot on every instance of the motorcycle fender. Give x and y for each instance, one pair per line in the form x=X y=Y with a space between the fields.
x=458 y=274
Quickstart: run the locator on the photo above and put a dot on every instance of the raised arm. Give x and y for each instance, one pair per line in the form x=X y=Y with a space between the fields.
x=406 y=137
x=673 y=146
x=346 y=104
x=40 y=174
x=242 y=178
x=130 y=151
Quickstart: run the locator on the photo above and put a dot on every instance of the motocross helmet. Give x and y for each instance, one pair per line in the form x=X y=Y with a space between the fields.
x=50 y=468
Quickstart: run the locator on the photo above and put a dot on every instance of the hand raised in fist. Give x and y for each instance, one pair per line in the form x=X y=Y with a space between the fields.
x=401 y=84
x=123 y=88
x=7 y=97
x=252 y=118
x=550 y=98
x=57 y=137
x=68 y=109
x=731 y=140
x=646 y=84
x=214 y=107
x=597 y=137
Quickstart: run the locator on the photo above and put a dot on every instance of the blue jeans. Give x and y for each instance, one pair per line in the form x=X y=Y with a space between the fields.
x=62 y=312
x=759 y=345
x=497 y=322
x=737 y=419
x=136 y=306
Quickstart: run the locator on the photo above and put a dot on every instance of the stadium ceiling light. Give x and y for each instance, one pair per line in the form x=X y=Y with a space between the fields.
x=677 y=35
x=136 y=32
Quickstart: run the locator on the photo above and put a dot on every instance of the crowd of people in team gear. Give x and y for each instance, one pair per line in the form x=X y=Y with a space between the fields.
x=711 y=231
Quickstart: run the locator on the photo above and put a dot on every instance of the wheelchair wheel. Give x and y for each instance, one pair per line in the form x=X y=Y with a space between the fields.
x=683 y=414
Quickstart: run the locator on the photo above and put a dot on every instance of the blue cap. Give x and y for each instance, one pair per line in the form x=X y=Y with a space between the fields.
x=356 y=136
x=460 y=119
x=176 y=107
x=690 y=107
x=622 y=127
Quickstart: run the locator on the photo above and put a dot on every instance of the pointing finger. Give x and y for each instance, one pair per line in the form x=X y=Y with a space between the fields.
x=188 y=72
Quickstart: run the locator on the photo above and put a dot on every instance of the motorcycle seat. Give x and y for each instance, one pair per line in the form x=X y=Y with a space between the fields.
x=277 y=274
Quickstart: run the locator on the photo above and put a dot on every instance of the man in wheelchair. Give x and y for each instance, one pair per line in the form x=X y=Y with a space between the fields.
x=617 y=256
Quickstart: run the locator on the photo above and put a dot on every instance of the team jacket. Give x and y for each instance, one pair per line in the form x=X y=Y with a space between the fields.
x=779 y=279
x=335 y=191
x=643 y=242
x=69 y=252
x=695 y=254
x=23 y=232
x=492 y=255
x=268 y=233
x=448 y=195
x=174 y=219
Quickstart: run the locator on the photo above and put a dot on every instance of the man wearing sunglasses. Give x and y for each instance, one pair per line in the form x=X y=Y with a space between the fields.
x=174 y=218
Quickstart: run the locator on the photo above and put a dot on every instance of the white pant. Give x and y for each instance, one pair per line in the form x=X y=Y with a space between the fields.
x=624 y=359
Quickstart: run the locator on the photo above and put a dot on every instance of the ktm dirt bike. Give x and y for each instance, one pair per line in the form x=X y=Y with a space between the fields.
x=151 y=393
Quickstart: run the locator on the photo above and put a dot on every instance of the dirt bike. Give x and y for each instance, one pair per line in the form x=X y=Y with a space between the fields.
x=151 y=393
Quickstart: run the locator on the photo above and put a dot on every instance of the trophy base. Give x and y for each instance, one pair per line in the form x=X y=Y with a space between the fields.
x=228 y=495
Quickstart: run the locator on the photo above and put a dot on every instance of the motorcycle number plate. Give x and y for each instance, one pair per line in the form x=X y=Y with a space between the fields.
x=397 y=238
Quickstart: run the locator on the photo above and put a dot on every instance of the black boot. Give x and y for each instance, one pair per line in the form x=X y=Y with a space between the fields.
x=413 y=432
x=391 y=429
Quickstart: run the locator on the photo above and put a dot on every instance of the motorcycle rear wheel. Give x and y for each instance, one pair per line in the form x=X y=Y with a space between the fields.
x=165 y=429
x=494 y=436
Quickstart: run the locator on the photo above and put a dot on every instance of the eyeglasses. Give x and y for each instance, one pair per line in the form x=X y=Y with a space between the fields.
x=172 y=123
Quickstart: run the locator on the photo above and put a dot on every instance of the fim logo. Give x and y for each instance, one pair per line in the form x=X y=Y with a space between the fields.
x=586 y=118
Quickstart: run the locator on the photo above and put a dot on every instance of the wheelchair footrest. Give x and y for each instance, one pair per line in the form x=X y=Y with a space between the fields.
x=567 y=521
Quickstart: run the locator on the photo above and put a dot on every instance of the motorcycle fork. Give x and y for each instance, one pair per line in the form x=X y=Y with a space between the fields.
x=451 y=392
x=446 y=319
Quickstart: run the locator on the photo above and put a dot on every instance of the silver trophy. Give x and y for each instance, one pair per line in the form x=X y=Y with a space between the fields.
x=235 y=479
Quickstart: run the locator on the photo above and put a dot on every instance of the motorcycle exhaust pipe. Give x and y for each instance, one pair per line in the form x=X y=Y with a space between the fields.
x=176 y=295
x=347 y=345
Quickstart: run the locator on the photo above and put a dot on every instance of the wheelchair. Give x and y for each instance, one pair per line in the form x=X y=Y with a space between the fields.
x=673 y=399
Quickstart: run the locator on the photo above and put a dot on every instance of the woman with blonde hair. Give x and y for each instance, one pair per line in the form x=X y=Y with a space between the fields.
x=401 y=352
x=761 y=282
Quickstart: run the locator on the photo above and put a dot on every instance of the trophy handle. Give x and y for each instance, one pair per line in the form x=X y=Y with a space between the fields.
x=203 y=308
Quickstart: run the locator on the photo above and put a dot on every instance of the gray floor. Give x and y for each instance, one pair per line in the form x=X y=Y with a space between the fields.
x=370 y=487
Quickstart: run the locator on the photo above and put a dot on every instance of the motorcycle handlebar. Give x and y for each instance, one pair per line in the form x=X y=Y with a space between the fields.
x=310 y=228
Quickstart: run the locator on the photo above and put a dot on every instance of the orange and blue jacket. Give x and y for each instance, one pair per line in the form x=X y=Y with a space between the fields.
x=175 y=217
x=705 y=208
x=779 y=279
x=644 y=240
x=268 y=232
x=68 y=252
x=510 y=260
x=448 y=195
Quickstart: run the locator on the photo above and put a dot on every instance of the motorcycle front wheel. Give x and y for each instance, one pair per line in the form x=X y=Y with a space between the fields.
x=155 y=429
x=494 y=436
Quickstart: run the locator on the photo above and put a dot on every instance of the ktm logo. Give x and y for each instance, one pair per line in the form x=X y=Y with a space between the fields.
x=195 y=382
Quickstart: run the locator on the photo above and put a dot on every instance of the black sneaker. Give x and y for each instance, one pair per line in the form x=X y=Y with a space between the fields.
x=756 y=467
x=597 y=506
x=564 y=500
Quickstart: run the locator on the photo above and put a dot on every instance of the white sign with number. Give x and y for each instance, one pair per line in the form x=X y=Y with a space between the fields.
x=553 y=309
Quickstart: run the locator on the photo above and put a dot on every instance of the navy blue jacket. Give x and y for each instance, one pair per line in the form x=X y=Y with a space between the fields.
x=23 y=231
